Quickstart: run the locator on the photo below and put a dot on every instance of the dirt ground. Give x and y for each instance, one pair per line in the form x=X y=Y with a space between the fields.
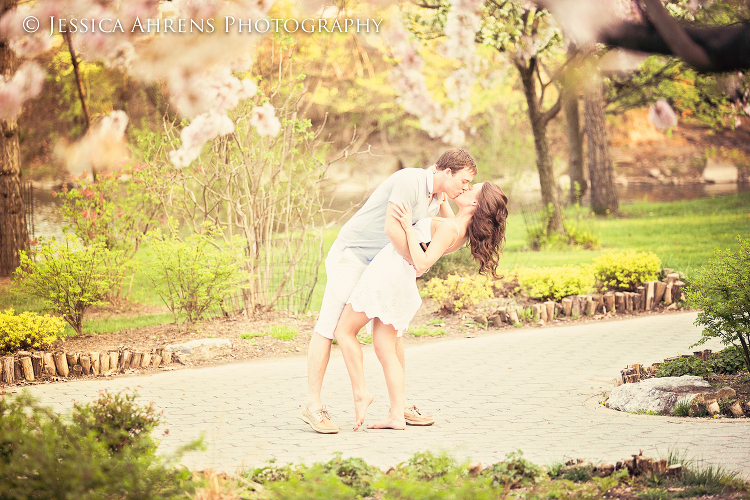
x=428 y=325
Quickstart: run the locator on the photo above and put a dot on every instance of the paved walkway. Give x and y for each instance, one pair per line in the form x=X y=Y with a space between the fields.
x=530 y=389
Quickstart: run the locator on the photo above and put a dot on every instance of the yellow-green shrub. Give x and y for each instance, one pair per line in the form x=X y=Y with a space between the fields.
x=626 y=270
x=555 y=282
x=458 y=292
x=28 y=330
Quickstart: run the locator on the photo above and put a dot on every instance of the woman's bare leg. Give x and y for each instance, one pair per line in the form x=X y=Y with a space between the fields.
x=346 y=331
x=384 y=340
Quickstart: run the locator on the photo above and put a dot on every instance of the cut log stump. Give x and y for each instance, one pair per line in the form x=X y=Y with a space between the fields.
x=619 y=302
x=61 y=362
x=38 y=363
x=610 y=301
x=9 y=372
x=103 y=363
x=85 y=364
x=550 y=305
x=96 y=363
x=27 y=368
x=661 y=287
x=49 y=364
x=567 y=305
x=114 y=360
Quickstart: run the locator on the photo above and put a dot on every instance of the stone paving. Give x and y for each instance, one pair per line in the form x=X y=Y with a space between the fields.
x=535 y=389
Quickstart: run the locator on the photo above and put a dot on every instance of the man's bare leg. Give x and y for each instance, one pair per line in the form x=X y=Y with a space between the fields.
x=318 y=354
x=384 y=340
x=347 y=328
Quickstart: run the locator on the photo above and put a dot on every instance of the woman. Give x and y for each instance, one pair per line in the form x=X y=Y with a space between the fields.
x=387 y=291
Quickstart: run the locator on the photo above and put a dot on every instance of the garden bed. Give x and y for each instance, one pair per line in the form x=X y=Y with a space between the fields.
x=697 y=364
x=253 y=337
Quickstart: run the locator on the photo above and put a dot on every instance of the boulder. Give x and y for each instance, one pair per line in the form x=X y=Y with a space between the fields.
x=661 y=395
x=202 y=349
x=720 y=172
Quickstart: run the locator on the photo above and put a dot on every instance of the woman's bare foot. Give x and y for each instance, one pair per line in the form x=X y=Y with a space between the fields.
x=389 y=422
x=360 y=408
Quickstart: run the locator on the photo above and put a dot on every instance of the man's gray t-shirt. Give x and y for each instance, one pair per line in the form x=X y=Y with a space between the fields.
x=364 y=233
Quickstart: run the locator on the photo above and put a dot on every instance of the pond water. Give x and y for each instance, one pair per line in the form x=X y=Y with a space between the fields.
x=49 y=222
x=663 y=192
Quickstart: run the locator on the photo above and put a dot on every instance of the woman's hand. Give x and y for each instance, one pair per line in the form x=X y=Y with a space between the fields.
x=403 y=214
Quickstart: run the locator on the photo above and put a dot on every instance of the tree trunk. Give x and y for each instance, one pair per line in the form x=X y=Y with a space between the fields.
x=601 y=173
x=543 y=158
x=574 y=134
x=13 y=234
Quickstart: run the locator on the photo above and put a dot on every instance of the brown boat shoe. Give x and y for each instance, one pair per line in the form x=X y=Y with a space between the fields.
x=320 y=421
x=413 y=416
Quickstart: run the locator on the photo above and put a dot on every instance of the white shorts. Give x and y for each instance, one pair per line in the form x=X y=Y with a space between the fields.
x=343 y=270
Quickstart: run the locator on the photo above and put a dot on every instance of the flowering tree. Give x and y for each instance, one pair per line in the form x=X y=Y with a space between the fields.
x=200 y=68
x=514 y=27
x=259 y=182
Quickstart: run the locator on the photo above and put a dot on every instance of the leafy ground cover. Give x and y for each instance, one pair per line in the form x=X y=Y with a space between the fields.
x=428 y=476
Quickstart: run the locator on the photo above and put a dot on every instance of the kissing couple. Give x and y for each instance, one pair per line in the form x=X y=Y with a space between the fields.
x=403 y=228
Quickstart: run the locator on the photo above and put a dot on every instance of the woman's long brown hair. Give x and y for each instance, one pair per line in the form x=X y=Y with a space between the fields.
x=486 y=230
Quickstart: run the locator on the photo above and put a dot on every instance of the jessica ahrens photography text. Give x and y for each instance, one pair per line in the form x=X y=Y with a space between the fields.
x=228 y=24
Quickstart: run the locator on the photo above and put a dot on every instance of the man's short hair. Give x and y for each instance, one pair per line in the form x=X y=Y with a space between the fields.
x=456 y=159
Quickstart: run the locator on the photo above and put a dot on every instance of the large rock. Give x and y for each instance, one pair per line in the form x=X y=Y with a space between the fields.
x=662 y=394
x=202 y=349
x=720 y=172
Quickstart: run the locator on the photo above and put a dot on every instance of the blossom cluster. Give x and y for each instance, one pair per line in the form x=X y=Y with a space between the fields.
x=25 y=84
x=198 y=69
x=461 y=25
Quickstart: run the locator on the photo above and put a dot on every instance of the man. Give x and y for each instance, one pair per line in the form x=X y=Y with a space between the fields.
x=362 y=237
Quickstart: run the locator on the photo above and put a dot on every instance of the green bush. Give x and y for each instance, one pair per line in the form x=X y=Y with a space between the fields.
x=729 y=360
x=458 y=262
x=555 y=282
x=683 y=366
x=70 y=277
x=573 y=236
x=44 y=456
x=722 y=291
x=116 y=421
x=425 y=466
x=458 y=292
x=513 y=472
x=28 y=331
x=626 y=270
x=353 y=472
x=194 y=275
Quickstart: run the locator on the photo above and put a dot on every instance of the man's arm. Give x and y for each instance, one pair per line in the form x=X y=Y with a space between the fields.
x=396 y=234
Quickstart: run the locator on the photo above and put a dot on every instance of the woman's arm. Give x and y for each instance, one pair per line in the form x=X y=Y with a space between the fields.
x=440 y=241
x=446 y=211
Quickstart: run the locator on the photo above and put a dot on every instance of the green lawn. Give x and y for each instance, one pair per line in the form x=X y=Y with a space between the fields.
x=683 y=234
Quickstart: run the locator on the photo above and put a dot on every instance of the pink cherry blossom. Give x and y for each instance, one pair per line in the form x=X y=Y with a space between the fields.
x=662 y=115
x=202 y=128
x=25 y=84
x=462 y=23
x=265 y=121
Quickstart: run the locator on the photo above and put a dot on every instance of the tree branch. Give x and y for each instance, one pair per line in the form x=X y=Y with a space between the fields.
x=545 y=117
x=676 y=37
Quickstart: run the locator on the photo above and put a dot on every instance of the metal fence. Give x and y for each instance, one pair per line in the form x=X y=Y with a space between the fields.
x=296 y=288
x=535 y=217
x=27 y=192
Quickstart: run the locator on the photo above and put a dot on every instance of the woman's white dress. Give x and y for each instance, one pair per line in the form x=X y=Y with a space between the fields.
x=388 y=287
